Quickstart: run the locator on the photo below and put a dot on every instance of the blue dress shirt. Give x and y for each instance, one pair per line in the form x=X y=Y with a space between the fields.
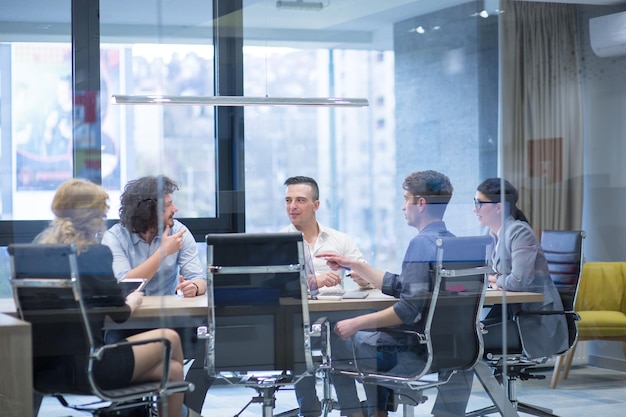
x=130 y=250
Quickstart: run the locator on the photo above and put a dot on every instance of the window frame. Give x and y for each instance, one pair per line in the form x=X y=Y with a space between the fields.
x=229 y=140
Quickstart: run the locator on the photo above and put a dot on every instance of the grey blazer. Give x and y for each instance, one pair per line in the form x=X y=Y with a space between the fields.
x=519 y=259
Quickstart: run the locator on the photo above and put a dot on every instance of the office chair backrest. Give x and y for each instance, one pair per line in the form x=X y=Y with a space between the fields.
x=462 y=265
x=259 y=274
x=46 y=289
x=564 y=253
x=248 y=270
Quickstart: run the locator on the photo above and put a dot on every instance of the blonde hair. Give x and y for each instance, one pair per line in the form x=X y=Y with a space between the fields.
x=80 y=207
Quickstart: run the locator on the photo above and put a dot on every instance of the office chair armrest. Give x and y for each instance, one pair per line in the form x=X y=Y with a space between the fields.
x=321 y=329
x=320 y=326
x=421 y=337
x=573 y=314
x=167 y=353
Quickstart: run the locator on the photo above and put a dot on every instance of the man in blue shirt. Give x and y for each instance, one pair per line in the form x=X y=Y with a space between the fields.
x=426 y=196
x=149 y=243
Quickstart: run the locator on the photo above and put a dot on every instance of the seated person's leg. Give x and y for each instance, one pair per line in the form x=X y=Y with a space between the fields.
x=377 y=398
x=115 y=335
x=345 y=386
x=149 y=364
x=308 y=402
x=307 y=398
x=393 y=360
x=492 y=339
x=492 y=336
x=453 y=396
x=195 y=349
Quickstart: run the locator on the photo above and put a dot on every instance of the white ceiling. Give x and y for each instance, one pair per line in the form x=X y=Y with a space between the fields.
x=358 y=23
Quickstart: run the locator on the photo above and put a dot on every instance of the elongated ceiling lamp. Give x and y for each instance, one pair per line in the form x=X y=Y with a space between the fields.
x=162 y=100
x=299 y=5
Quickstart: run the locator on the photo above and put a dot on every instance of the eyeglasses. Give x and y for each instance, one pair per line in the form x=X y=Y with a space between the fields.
x=478 y=204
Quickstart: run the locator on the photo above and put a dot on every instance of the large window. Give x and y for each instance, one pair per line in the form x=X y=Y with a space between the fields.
x=427 y=108
x=433 y=77
x=359 y=155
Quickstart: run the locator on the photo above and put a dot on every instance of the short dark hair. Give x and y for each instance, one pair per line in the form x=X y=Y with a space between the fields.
x=305 y=180
x=433 y=186
x=139 y=202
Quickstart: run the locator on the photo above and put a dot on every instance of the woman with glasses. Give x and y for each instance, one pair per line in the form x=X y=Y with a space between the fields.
x=519 y=265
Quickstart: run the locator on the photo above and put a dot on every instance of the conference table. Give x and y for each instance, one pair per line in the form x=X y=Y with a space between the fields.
x=158 y=311
x=173 y=306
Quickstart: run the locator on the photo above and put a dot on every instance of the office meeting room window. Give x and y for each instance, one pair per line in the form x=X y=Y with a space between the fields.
x=429 y=98
x=448 y=88
x=135 y=141
x=44 y=129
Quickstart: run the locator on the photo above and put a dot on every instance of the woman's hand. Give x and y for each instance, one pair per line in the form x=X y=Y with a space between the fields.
x=493 y=279
x=134 y=300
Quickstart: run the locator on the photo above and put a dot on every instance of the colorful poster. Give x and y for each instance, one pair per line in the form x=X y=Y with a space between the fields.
x=43 y=126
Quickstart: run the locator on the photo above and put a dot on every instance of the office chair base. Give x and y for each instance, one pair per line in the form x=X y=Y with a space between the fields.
x=100 y=408
x=521 y=407
x=267 y=398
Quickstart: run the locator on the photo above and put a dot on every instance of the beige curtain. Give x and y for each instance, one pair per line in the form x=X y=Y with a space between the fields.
x=541 y=133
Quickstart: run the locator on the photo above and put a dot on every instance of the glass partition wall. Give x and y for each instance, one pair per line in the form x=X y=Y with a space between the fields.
x=442 y=80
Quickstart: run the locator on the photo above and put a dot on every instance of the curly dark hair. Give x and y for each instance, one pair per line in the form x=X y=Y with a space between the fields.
x=140 y=199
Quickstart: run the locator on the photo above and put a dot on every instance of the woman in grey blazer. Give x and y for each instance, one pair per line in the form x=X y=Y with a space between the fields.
x=519 y=265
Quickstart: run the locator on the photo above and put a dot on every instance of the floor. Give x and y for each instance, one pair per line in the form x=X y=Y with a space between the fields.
x=588 y=391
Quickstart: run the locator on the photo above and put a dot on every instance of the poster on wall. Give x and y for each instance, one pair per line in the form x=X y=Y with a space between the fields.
x=42 y=117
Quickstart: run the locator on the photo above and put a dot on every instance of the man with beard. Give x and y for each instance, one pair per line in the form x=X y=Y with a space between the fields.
x=149 y=243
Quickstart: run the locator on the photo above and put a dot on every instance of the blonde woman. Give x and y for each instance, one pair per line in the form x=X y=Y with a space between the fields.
x=80 y=208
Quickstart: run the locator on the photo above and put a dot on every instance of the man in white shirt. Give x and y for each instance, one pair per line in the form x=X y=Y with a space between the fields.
x=301 y=204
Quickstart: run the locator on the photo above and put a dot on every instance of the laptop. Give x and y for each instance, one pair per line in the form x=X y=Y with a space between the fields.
x=339 y=294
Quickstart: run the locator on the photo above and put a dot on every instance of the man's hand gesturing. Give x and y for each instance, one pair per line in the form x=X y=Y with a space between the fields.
x=171 y=244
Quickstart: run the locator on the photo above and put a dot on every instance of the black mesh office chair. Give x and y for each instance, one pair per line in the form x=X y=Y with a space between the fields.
x=564 y=252
x=451 y=334
x=47 y=291
x=258 y=333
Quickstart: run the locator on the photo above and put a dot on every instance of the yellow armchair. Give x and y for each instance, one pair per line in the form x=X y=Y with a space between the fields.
x=601 y=304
